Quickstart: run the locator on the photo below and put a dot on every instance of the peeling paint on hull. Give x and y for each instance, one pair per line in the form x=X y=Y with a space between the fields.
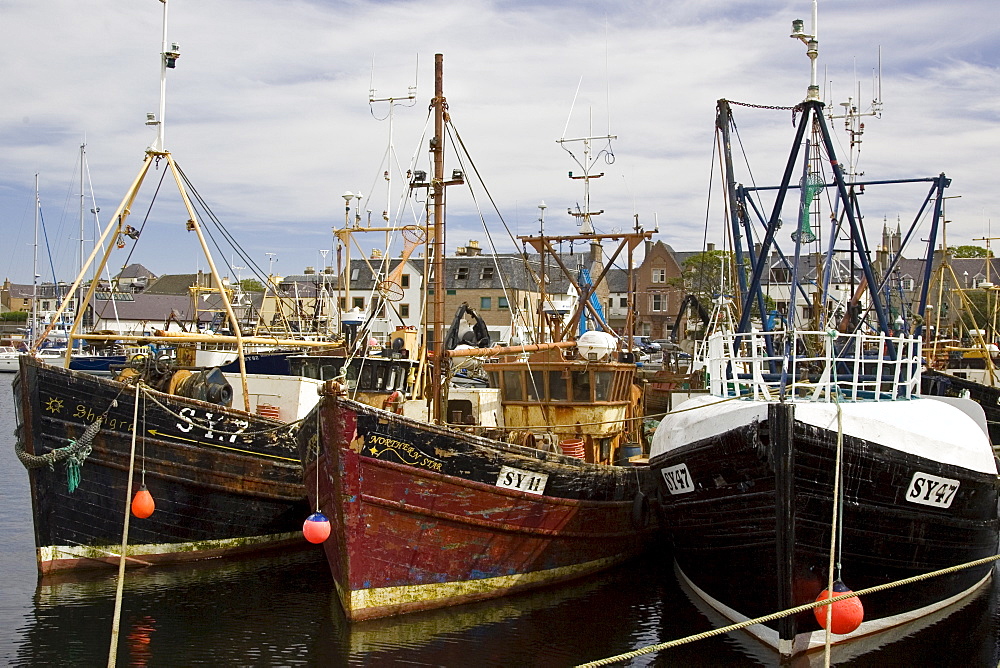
x=420 y=523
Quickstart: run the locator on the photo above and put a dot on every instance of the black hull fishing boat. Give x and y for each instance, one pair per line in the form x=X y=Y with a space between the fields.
x=943 y=384
x=748 y=506
x=217 y=460
x=224 y=481
x=814 y=463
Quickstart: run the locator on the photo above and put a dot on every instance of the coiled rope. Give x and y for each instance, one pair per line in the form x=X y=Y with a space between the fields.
x=75 y=454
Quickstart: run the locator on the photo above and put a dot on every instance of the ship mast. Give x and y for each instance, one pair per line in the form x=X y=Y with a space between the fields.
x=116 y=227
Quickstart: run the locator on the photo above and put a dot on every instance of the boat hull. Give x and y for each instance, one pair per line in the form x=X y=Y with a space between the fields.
x=420 y=521
x=940 y=384
x=748 y=512
x=223 y=481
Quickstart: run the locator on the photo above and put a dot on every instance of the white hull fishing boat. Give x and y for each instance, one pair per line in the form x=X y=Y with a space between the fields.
x=813 y=463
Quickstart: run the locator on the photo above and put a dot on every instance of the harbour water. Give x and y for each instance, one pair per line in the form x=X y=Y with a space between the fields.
x=283 y=611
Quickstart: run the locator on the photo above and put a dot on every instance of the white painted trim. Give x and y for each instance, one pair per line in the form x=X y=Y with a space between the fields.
x=813 y=640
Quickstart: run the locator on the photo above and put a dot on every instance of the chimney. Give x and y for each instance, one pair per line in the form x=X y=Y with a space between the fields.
x=711 y=246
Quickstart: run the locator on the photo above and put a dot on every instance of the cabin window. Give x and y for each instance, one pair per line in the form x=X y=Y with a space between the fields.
x=365 y=378
x=404 y=310
x=502 y=303
x=462 y=273
x=404 y=281
x=486 y=274
x=602 y=385
x=486 y=303
x=557 y=386
x=460 y=412
x=536 y=385
x=512 y=386
x=581 y=386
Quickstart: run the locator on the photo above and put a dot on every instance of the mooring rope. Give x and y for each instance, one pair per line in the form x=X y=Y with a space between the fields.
x=835 y=533
x=785 y=613
x=116 y=622
x=77 y=449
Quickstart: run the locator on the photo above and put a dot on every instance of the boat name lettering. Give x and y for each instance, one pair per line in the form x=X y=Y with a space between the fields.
x=678 y=479
x=930 y=490
x=213 y=422
x=404 y=452
x=87 y=414
x=523 y=481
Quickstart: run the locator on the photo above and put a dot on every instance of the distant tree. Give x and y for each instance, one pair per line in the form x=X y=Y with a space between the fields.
x=701 y=273
x=251 y=285
x=969 y=251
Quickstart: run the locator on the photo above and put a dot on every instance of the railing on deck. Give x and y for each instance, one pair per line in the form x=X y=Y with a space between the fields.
x=820 y=365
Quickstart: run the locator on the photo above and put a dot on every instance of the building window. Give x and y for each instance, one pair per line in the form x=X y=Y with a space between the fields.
x=358 y=302
x=659 y=276
x=502 y=303
x=462 y=274
x=355 y=273
x=657 y=302
x=485 y=303
x=611 y=303
x=486 y=274
x=404 y=281
x=447 y=292
x=404 y=310
x=623 y=302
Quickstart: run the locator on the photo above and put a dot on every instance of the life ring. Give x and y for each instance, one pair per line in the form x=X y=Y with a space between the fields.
x=394 y=402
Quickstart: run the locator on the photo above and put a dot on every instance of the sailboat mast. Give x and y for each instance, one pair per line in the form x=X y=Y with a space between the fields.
x=83 y=159
x=34 y=266
x=437 y=261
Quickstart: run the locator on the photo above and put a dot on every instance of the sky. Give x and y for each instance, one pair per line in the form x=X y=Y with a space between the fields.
x=268 y=115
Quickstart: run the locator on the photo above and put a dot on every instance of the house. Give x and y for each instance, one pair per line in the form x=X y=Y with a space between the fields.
x=135 y=277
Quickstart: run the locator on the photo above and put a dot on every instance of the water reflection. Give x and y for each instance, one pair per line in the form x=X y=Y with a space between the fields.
x=283 y=611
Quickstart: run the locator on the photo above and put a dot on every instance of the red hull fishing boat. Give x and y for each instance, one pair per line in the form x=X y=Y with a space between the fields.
x=520 y=490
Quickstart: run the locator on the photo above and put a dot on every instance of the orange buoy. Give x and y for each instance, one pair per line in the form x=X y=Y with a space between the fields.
x=316 y=528
x=845 y=616
x=142 y=503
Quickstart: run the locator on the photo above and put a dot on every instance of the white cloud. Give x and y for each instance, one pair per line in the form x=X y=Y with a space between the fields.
x=268 y=111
